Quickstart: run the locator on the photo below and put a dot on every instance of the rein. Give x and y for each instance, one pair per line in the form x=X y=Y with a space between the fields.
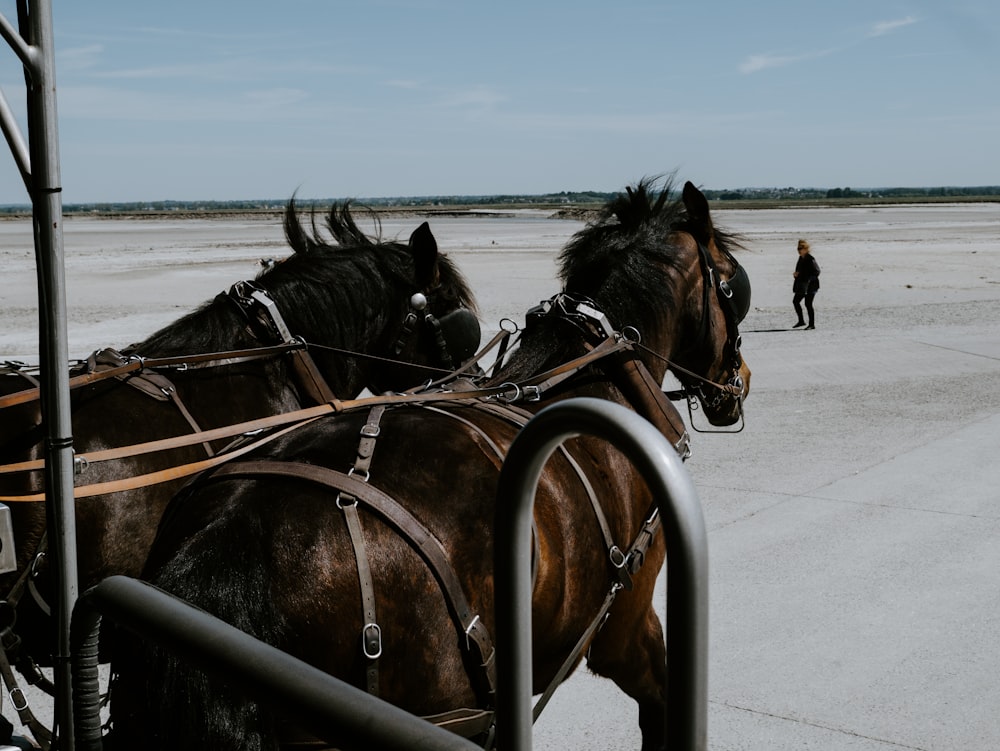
x=530 y=389
x=132 y=363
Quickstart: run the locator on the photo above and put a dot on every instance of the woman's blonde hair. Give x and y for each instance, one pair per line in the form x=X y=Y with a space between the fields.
x=803 y=244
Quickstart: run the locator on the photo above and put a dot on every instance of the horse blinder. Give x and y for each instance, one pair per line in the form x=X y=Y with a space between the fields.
x=457 y=334
x=736 y=290
x=462 y=334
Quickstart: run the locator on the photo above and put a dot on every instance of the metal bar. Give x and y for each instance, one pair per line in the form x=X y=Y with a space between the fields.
x=15 y=141
x=335 y=711
x=22 y=49
x=35 y=46
x=687 y=564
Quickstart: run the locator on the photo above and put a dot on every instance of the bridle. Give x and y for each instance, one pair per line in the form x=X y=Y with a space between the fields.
x=456 y=334
x=733 y=297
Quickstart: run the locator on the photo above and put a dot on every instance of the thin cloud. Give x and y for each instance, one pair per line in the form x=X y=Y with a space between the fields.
x=887 y=27
x=765 y=61
x=756 y=63
x=80 y=58
x=476 y=99
x=401 y=83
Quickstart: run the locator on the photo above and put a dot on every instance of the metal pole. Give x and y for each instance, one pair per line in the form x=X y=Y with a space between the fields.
x=687 y=564
x=328 y=707
x=46 y=200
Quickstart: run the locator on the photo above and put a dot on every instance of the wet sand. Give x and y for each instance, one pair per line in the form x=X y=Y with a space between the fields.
x=855 y=593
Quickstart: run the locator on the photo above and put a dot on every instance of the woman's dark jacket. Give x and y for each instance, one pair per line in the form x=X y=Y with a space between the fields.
x=807 y=281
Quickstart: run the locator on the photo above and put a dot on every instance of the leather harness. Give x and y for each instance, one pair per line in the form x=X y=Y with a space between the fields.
x=352 y=488
x=627 y=372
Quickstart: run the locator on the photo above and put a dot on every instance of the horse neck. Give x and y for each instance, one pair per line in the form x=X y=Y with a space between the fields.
x=217 y=327
x=214 y=327
x=354 y=305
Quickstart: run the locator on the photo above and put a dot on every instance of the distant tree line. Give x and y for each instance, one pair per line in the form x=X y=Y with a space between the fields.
x=564 y=198
x=751 y=194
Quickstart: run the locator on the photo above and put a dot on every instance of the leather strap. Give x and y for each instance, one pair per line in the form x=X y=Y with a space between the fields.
x=578 y=648
x=371 y=632
x=132 y=363
x=20 y=704
x=419 y=537
x=313 y=385
x=519 y=417
x=164 y=475
x=642 y=391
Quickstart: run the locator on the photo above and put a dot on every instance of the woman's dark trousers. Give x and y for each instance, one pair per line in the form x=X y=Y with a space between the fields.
x=808 y=297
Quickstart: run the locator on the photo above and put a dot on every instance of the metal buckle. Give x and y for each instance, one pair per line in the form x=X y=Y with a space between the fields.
x=368 y=430
x=18 y=700
x=616 y=556
x=371 y=641
x=468 y=631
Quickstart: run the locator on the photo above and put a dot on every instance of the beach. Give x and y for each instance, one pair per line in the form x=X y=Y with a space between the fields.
x=855 y=575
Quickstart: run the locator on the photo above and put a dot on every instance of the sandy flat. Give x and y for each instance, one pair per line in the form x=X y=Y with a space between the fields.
x=855 y=593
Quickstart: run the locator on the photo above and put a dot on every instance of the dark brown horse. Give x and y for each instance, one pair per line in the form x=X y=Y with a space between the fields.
x=362 y=544
x=371 y=311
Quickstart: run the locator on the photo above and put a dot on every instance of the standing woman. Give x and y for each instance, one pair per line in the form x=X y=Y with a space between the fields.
x=806 y=284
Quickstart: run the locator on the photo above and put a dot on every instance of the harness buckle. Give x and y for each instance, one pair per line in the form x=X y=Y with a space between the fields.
x=80 y=465
x=532 y=393
x=18 y=700
x=369 y=430
x=371 y=641
x=468 y=632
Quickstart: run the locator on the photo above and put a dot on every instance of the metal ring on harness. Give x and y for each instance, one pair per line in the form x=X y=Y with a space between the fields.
x=509 y=388
x=367 y=476
x=630 y=334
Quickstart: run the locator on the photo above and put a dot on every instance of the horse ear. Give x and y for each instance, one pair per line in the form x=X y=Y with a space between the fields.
x=697 y=209
x=424 y=249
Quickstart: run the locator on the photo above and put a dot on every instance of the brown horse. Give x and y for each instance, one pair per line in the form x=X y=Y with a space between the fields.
x=373 y=313
x=363 y=543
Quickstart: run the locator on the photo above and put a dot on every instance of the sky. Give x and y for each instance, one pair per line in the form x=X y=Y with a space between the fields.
x=211 y=100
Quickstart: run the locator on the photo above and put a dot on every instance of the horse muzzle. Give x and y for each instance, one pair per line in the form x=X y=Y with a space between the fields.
x=724 y=406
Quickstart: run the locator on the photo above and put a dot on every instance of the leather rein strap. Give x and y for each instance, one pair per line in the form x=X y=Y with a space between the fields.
x=506 y=392
x=133 y=363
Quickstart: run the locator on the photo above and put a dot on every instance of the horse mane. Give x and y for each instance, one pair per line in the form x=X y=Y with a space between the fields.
x=347 y=237
x=611 y=256
x=336 y=285
x=616 y=261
